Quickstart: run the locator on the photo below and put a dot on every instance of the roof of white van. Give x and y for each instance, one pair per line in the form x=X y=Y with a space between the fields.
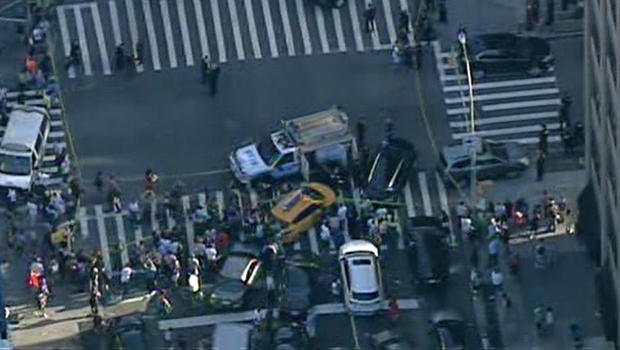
x=231 y=336
x=24 y=123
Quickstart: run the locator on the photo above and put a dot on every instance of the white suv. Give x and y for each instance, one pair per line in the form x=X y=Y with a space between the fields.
x=361 y=277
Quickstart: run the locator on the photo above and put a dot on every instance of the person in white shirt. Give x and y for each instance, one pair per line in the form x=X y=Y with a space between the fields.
x=134 y=211
x=33 y=211
x=342 y=215
x=497 y=279
x=126 y=273
x=211 y=254
x=325 y=233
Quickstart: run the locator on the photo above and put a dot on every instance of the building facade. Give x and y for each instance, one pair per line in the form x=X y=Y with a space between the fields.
x=602 y=145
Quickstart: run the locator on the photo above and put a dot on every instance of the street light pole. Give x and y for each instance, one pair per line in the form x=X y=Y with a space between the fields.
x=462 y=37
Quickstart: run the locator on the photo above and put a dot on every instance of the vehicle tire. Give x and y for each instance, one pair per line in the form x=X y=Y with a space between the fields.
x=534 y=71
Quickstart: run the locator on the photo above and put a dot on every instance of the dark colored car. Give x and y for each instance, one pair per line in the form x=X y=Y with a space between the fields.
x=390 y=169
x=494 y=160
x=296 y=293
x=129 y=333
x=500 y=53
x=427 y=250
x=290 y=337
x=448 y=330
x=388 y=340
x=238 y=272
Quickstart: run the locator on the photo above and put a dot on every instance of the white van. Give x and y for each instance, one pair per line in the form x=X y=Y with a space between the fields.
x=361 y=277
x=22 y=146
x=232 y=336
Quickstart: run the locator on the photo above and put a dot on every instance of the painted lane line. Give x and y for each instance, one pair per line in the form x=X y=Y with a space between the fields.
x=116 y=28
x=234 y=19
x=286 y=23
x=122 y=238
x=105 y=61
x=452 y=77
x=189 y=225
x=64 y=29
x=219 y=33
x=202 y=31
x=342 y=47
x=79 y=22
x=503 y=95
x=409 y=200
x=506 y=119
x=320 y=23
x=165 y=16
x=524 y=104
x=249 y=11
x=103 y=238
x=501 y=84
x=355 y=22
x=314 y=243
x=426 y=198
x=133 y=30
x=219 y=197
x=273 y=45
x=187 y=44
x=150 y=31
x=389 y=20
x=56 y=134
x=303 y=25
x=508 y=131
x=83 y=222
x=154 y=221
x=534 y=140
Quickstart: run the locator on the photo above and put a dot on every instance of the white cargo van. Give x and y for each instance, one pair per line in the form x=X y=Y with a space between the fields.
x=22 y=146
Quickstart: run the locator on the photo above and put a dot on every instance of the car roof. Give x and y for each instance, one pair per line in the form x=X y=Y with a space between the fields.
x=363 y=277
x=235 y=263
x=493 y=41
x=358 y=246
x=23 y=127
x=294 y=202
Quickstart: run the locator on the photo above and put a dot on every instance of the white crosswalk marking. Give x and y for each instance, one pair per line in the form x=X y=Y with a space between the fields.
x=506 y=119
x=387 y=9
x=501 y=84
x=122 y=238
x=273 y=46
x=524 y=104
x=342 y=46
x=508 y=131
x=303 y=25
x=202 y=31
x=116 y=28
x=320 y=23
x=189 y=225
x=409 y=200
x=79 y=22
x=133 y=30
x=150 y=31
x=105 y=61
x=165 y=17
x=187 y=44
x=426 y=198
x=503 y=95
x=249 y=12
x=234 y=18
x=288 y=34
x=399 y=231
x=83 y=222
x=64 y=29
x=103 y=238
x=170 y=220
x=355 y=22
x=314 y=243
x=219 y=34
x=219 y=197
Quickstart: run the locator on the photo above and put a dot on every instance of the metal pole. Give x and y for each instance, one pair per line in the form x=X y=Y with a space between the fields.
x=473 y=183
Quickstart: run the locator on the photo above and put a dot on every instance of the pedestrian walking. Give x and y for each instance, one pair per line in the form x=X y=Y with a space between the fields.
x=98 y=182
x=550 y=15
x=493 y=250
x=139 y=59
x=543 y=139
x=120 y=57
x=209 y=74
x=403 y=21
x=369 y=16
x=564 y=115
x=540 y=167
x=11 y=198
x=497 y=280
x=474 y=281
x=394 y=310
x=75 y=53
x=417 y=49
x=215 y=75
x=342 y=216
x=126 y=274
x=576 y=335
x=361 y=131
x=443 y=12
x=117 y=204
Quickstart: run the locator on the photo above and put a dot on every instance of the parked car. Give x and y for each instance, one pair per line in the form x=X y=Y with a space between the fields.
x=427 y=250
x=303 y=208
x=296 y=292
x=390 y=169
x=238 y=272
x=494 y=160
x=129 y=333
x=499 y=53
x=388 y=340
x=361 y=277
x=449 y=330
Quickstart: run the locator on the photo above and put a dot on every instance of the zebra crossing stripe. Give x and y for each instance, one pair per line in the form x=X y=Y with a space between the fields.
x=189 y=225
x=409 y=201
x=303 y=24
x=342 y=47
x=83 y=222
x=150 y=31
x=154 y=221
x=399 y=231
x=320 y=23
x=219 y=197
x=116 y=28
x=219 y=34
x=504 y=95
x=79 y=21
x=234 y=19
x=249 y=11
x=506 y=119
x=314 y=243
x=100 y=39
x=501 y=84
x=64 y=29
x=286 y=23
x=103 y=238
x=122 y=238
x=355 y=22
x=202 y=31
x=387 y=8
x=187 y=44
x=270 y=33
x=426 y=198
x=133 y=30
x=523 y=104
x=507 y=131
x=170 y=219
x=165 y=16
x=533 y=140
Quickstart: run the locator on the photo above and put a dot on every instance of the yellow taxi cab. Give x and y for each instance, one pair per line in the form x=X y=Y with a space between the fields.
x=303 y=208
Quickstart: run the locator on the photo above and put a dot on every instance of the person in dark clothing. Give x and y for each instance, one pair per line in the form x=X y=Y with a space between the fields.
x=215 y=74
x=418 y=56
x=565 y=113
x=543 y=138
x=403 y=21
x=474 y=257
x=443 y=12
x=540 y=167
x=361 y=131
x=139 y=53
x=120 y=56
x=550 y=12
x=369 y=16
x=99 y=181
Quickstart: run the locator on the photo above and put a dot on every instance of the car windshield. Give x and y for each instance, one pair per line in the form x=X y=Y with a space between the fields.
x=234 y=265
x=497 y=149
x=268 y=151
x=366 y=296
x=14 y=165
x=312 y=193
